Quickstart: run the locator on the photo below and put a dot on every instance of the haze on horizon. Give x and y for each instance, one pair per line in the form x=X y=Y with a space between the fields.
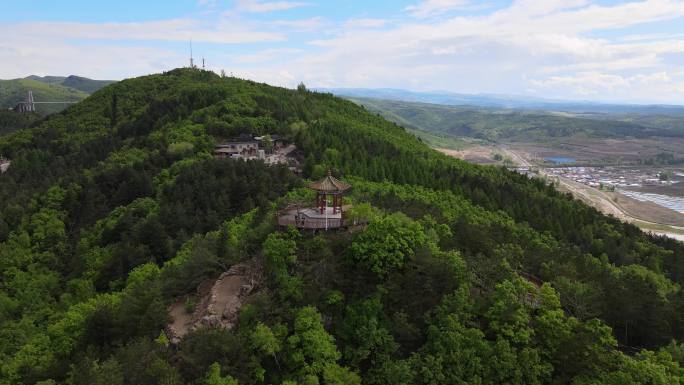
x=610 y=51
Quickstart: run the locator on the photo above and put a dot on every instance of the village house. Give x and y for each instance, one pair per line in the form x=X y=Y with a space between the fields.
x=242 y=146
x=272 y=143
x=271 y=149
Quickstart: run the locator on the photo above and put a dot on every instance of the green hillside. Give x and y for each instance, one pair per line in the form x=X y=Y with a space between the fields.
x=519 y=125
x=47 y=79
x=84 y=84
x=48 y=89
x=11 y=121
x=464 y=274
x=14 y=91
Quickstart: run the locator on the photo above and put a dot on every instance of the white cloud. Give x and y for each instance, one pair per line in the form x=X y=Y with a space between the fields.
x=619 y=87
x=167 y=30
x=552 y=47
x=585 y=82
x=267 y=6
x=96 y=50
x=651 y=37
x=266 y=55
x=365 y=23
x=501 y=51
x=99 y=61
x=310 y=24
x=428 y=8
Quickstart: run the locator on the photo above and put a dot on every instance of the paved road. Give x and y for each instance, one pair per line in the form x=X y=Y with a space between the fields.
x=517 y=158
x=599 y=199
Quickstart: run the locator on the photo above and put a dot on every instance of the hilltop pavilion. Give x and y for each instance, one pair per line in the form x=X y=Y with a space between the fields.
x=329 y=187
x=329 y=211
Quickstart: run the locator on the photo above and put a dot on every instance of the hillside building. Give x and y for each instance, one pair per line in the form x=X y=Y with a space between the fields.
x=242 y=146
x=271 y=149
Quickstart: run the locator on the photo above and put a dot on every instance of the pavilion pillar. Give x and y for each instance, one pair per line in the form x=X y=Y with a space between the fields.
x=329 y=186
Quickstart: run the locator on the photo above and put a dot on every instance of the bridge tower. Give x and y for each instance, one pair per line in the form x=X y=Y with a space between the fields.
x=30 y=105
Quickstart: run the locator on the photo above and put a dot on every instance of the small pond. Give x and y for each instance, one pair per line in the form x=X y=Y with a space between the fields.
x=560 y=159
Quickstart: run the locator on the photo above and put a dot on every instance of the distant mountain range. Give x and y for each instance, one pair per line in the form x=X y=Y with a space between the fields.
x=48 y=89
x=72 y=81
x=434 y=121
x=505 y=101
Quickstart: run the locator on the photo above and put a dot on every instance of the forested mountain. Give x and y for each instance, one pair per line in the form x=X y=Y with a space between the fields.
x=464 y=274
x=521 y=125
x=11 y=121
x=14 y=91
x=48 y=89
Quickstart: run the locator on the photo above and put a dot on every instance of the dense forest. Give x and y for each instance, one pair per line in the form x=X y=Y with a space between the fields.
x=464 y=274
x=12 y=121
x=497 y=124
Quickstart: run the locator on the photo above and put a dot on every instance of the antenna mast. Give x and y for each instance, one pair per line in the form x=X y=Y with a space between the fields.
x=192 y=65
x=202 y=63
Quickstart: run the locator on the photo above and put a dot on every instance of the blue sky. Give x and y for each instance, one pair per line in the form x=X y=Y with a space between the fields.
x=624 y=51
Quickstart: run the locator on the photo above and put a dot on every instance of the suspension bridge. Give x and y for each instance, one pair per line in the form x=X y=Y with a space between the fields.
x=29 y=105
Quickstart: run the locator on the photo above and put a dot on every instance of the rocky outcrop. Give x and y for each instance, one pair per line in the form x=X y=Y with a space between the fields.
x=220 y=301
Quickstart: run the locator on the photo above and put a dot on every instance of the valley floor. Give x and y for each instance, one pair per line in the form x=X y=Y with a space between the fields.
x=648 y=216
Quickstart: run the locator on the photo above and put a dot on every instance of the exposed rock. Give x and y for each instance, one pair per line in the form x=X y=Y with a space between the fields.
x=210 y=320
x=219 y=303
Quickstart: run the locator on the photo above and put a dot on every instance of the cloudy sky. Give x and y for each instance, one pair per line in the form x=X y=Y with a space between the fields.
x=571 y=49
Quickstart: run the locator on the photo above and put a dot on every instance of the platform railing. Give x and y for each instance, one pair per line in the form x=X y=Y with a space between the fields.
x=310 y=223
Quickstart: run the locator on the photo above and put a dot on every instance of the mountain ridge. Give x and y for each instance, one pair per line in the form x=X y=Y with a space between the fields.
x=495 y=124
x=115 y=208
x=76 y=82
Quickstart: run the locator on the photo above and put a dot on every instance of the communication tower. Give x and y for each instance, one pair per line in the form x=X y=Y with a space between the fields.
x=192 y=64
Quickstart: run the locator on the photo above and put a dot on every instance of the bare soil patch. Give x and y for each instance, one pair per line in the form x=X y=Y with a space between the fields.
x=219 y=302
x=478 y=154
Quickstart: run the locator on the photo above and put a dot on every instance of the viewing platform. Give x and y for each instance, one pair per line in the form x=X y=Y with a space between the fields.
x=312 y=218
